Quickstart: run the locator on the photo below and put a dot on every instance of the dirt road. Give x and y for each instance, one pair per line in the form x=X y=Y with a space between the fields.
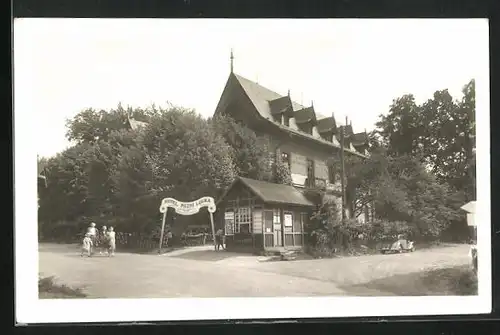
x=202 y=272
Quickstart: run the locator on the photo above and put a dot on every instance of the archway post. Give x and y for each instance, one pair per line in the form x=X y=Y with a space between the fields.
x=187 y=208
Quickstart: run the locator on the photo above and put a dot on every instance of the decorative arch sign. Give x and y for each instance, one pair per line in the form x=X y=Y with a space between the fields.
x=187 y=208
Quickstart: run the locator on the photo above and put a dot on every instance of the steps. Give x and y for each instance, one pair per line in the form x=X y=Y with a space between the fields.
x=288 y=255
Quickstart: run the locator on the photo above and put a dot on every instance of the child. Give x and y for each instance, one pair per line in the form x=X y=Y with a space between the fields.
x=92 y=232
x=111 y=241
x=86 y=245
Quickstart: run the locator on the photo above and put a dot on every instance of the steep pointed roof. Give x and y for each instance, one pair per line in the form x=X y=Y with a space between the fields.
x=265 y=101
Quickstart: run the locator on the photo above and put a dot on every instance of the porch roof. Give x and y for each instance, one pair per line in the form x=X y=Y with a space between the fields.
x=272 y=193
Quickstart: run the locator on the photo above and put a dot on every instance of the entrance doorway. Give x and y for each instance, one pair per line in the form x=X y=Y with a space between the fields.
x=278 y=235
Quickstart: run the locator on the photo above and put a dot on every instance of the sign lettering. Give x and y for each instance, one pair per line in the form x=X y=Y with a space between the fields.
x=188 y=208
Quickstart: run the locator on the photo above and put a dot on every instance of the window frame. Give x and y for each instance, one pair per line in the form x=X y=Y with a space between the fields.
x=311 y=177
x=288 y=229
x=246 y=214
x=332 y=173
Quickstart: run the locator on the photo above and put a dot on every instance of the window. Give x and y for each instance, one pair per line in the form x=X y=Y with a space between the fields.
x=367 y=213
x=243 y=220
x=229 y=222
x=304 y=220
x=285 y=158
x=286 y=120
x=276 y=216
x=288 y=221
x=310 y=173
x=332 y=173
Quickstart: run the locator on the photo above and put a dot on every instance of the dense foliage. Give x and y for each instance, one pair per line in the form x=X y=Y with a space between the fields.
x=116 y=175
x=420 y=171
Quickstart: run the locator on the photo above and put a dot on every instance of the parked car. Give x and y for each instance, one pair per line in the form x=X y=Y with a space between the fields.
x=399 y=246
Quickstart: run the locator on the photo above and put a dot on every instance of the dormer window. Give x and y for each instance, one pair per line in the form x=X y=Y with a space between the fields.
x=327 y=137
x=307 y=128
x=286 y=120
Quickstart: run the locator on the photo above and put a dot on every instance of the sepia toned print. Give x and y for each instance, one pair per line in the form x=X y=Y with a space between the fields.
x=261 y=176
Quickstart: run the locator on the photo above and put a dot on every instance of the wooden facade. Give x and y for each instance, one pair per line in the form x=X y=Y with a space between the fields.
x=256 y=220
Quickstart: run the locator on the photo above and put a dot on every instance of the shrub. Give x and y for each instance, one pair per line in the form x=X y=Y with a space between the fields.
x=48 y=289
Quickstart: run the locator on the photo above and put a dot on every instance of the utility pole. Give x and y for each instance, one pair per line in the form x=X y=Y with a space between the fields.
x=342 y=172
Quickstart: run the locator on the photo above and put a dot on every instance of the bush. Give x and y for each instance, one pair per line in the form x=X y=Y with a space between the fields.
x=329 y=234
x=49 y=290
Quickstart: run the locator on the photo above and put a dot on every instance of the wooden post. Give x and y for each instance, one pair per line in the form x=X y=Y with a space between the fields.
x=302 y=227
x=213 y=229
x=282 y=222
x=342 y=171
x=162 y=230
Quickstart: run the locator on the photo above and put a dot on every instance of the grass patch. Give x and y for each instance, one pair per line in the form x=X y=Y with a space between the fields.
x=48 y=289
x=459 y=280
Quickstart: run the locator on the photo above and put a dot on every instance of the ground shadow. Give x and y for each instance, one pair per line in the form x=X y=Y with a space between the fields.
x=210 y=255
x=455 y=281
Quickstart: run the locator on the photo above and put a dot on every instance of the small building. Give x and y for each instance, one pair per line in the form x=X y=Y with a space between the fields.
x=262 y=216
x=470 y=208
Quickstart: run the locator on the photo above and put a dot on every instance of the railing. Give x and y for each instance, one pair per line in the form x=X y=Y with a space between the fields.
x=293 y=239
x=268 y=240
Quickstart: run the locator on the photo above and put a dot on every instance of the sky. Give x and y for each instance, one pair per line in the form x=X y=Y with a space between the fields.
x=348 y=67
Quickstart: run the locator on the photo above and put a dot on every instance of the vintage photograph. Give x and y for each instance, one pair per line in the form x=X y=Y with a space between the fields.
x=253 y=159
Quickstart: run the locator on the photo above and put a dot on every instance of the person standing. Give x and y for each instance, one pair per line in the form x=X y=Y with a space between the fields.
x=86 y=245
x=103 y=240
x=92 y=234
x=219 y=239
x=111 y=241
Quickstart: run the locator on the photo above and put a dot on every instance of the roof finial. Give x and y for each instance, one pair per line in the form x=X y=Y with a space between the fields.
x=312 y=103
x=232 y=58
x=346 y=120
x=350 y=123
x=288 y=92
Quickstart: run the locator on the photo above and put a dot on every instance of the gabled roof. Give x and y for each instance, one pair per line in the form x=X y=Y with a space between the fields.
x=348 y=130
x=262 y=97
x=272 y=193
x=281 y=105
x=305 y=115
x=470 y=207
x=326 y=125
x=359 y=139
x=134 y=124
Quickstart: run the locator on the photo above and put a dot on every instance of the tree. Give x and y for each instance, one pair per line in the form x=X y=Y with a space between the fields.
x=402 y=189
x=91 y=125
x=282 y=174
x=193 y=159
x=250 y=153
x=440 y=132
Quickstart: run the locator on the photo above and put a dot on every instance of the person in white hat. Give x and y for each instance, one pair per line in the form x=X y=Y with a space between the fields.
x=92 y=233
